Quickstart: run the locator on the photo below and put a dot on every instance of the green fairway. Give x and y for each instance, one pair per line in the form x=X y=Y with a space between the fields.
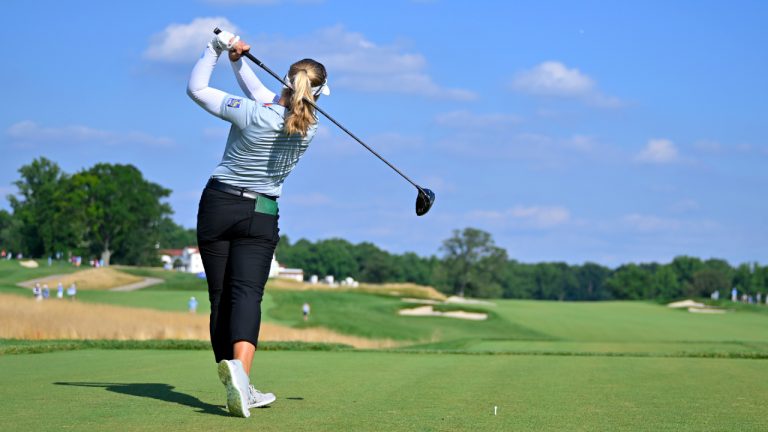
x=331 y=391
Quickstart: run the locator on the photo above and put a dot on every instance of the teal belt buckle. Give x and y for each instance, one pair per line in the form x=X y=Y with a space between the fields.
x=266 y=205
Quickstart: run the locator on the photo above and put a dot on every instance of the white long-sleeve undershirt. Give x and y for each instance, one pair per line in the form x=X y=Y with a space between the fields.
x=207 y=97
x=250 y=83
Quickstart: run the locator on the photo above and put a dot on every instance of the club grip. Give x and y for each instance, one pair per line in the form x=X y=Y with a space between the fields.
x=216 y=30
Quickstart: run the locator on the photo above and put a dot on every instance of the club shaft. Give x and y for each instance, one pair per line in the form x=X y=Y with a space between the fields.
x=328 y=116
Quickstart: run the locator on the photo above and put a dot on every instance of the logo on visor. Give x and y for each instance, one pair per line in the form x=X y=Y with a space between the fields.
x=234 y=103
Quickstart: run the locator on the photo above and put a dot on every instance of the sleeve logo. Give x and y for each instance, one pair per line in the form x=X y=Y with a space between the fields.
x=233 y=102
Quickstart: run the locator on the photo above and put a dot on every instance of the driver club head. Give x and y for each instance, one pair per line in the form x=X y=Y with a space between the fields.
x=424 y=201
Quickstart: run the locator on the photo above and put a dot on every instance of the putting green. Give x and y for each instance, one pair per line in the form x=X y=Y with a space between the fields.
x=331 y=391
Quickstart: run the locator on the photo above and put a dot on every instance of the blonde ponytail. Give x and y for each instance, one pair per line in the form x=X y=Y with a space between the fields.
x=303 y=75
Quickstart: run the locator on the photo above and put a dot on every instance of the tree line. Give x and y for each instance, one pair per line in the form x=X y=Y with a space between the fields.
x=107 y=211
x=471 y=264
x=110 y=211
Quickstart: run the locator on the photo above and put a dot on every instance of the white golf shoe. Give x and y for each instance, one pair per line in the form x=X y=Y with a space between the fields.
x=258 y=399
x=234 y=378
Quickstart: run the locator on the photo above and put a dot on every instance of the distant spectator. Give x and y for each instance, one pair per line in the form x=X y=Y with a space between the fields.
x=759 y=298
x=60 y=290
x=305 y=309
x=72 y=291
x=37 y=291
x=734 y=294
x=192 y=305
x=715 y=295
x=46 y=291
x=50 y=261
x=2 y=254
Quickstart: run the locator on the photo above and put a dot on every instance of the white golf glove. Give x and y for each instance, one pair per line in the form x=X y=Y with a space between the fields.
x=224 y=41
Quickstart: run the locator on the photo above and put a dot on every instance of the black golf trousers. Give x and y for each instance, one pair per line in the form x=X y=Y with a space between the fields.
x=236 y=244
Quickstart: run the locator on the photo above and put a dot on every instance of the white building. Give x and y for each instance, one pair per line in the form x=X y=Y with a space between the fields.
x=187 y=259
x=278 y=271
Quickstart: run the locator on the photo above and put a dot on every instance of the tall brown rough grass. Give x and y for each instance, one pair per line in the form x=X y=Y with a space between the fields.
x=25 y=318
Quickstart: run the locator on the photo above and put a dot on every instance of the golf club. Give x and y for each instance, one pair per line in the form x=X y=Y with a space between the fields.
x=424 y=199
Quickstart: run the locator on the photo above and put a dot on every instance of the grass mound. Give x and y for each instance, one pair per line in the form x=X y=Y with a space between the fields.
x=376 y=316
x=389 y=289
x=103 y=278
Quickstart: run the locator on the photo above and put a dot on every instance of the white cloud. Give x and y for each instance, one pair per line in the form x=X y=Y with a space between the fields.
x=179 y=43
x=352 y=60
x=467 y=119
x=527 y=216
x=29 y=132
x=355 y=62
x=553 y=78
x=658 y=151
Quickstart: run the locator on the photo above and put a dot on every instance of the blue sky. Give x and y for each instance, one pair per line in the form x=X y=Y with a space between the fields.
x=572 y=131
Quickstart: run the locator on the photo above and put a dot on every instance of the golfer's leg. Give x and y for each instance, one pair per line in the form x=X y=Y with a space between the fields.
x=251 y=258
x=214 y=218
x=215 y=261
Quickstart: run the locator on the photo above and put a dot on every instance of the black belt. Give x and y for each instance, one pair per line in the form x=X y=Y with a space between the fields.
x=234 y=190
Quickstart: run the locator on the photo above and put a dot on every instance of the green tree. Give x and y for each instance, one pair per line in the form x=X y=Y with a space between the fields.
x=664 y=284
x=519 y=280
x=122 y=212
x=742 y=277
x=592 y=279
x=171 y=235
x=707 y=280
x=10 y=232
x=629 y=281
x=473 y=264
x=685 y=267
x=47 y=218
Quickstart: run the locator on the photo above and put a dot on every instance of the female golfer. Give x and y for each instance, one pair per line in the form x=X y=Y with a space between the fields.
x=237 y=219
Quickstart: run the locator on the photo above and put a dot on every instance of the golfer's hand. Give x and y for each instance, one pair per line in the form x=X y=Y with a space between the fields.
x=237 y=50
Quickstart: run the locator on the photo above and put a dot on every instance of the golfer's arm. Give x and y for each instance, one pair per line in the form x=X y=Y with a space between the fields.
x=250 y=83
x=209 y=98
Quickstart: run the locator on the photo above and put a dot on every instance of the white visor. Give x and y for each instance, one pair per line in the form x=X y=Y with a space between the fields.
x=322 y=89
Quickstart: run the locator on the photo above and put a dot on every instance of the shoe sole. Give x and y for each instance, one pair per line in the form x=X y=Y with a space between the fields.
x=235 y=403
x=263 y=403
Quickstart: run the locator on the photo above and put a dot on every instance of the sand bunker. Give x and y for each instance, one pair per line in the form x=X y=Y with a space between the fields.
x=706 y=310
x=686 y=304
x=462 y=300
x=420 y=301
x=430 y=311
x=25 y=318
x=696 y=307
